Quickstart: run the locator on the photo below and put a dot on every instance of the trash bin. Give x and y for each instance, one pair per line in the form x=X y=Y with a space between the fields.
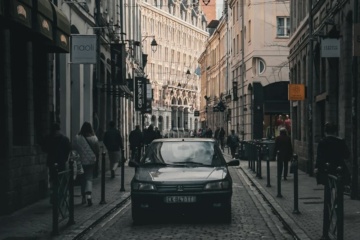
x=271 y=145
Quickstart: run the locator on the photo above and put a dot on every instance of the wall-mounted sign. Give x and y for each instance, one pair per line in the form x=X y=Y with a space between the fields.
x=140 y=94
x=296 y=92
x=330 y=47
x=83 y=49
x=356 y=40
x=118 y=68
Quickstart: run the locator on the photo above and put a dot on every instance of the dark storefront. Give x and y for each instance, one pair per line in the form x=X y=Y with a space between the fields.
x=271 y=109
x=30 y=30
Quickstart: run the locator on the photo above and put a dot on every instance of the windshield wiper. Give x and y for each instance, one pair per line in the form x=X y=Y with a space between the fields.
x=155 y=164
x=192 y=163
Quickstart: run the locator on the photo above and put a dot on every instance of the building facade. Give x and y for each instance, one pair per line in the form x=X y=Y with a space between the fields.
x=30 y=33
x=331 y=78
x=180 y=31
x=252 y=72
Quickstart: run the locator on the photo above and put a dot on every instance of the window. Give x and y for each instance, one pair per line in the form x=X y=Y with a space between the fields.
x=283 y=27
x=260 y=66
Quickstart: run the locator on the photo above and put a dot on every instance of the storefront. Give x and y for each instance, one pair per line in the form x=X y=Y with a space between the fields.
x=29 y=31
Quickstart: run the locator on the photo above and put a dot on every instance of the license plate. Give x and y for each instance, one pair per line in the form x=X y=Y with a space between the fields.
x=180 y=199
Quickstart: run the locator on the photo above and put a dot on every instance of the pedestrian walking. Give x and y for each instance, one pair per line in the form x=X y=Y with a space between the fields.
x=333 y=150
x=114 y=144
x=284 y=146
x=209 y=133
x=87 y=145
x=57 y=146
x=136 y=143
x=158 y=133
x=222 y=138
x=149 y=135
x=233 y=143
x=216 y=135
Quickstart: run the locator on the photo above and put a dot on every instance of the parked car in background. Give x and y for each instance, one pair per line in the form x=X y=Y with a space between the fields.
x=182 y=175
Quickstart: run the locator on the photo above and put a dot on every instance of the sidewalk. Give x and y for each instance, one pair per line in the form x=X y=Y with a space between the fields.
x=310 y=202
x=35 y=221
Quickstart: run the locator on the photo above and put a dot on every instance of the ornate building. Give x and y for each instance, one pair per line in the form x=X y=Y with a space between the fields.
x=180 y=31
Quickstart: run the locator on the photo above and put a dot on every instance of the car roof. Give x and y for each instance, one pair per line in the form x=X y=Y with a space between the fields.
x=184 y=140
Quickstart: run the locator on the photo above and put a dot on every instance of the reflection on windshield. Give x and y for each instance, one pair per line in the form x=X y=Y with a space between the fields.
x=175 y=153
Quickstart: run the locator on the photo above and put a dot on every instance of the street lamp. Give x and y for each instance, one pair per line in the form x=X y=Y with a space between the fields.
x=153 y=43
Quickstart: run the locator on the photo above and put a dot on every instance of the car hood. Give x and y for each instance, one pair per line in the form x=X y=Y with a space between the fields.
x=177 y=174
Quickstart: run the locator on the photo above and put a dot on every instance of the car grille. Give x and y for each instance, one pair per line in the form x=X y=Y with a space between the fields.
x=180 y=188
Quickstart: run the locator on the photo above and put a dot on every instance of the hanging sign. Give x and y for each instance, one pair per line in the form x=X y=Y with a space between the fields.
x=296 y=92
x=140 y=94
x=83 y=49
x=330 y=47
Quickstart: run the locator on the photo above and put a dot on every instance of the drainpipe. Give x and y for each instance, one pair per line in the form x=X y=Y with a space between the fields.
x=310 y=93
x=243 y=69
x=355 y=167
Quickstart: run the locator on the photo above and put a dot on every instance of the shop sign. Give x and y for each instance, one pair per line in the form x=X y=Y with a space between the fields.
x=296 y=92
x=83 y=49
x=140 y=94
x=330 y=47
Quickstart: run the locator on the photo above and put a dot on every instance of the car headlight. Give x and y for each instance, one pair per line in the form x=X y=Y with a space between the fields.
x=217 y=185
x=143 y=186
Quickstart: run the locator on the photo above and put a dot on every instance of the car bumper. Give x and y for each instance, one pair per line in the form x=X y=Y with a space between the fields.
x=205 y=201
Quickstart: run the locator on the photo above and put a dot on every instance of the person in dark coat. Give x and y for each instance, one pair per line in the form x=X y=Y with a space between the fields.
x=149 y=135
x=136 y=142
x=233 y=143
x=57 y=146
x=284 y=146
x=114 y=144
x=333 y=150
x=209 y=133
x=222 y=138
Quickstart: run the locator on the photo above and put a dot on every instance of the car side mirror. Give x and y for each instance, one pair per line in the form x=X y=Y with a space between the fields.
x=133 y=164
x=234 y=162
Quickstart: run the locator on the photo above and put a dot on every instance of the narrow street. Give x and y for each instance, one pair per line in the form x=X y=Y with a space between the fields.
x=252 y=218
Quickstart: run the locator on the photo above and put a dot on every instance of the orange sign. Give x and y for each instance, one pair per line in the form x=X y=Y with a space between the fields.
x=296 y=92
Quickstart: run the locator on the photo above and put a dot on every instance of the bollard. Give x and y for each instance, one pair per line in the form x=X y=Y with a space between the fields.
x=340 y=205
x=55 y=202
x=268 y=167
x=296 y=185
x=253 y=156
x=258 y=163
x=260 y=158
x=122 y=189
x=71 y=193
x=103 y=179
x=278 y=176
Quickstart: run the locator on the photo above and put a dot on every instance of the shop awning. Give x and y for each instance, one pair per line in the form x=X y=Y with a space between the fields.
x=125 y=90
x=44 y=18
x=277 y=107
x=20 y=11
x=61 y=31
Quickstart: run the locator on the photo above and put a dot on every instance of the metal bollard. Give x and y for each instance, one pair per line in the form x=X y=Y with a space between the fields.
x=259 y=159
x=268 y=167
x=71 y=193
x=296 y=185
x=122 y=189
x=278 y=177
x=103 y=179
x=55 y=202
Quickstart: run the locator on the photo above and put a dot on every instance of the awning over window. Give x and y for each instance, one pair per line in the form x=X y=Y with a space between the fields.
x=61 y=31
x=44 y=18
x=125 y=90
x=20 y=11
x=276 y=98
x=277 y=107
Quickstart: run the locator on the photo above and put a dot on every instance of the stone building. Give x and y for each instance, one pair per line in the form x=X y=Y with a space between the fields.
x=180 y=31
x=331 y=77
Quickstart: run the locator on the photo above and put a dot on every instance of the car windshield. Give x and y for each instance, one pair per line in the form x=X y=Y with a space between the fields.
x=183 y=153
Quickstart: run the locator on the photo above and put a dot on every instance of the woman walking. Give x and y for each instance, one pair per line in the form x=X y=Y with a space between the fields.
x=87 y=145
